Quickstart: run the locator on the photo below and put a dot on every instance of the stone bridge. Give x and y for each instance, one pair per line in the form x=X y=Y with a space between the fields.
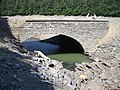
x=87 y=32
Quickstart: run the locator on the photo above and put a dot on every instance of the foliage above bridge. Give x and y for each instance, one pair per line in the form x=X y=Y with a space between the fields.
x=60 y=7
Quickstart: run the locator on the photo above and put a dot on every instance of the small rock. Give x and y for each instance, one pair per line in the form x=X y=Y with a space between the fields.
x=94 y=85
x=109 y=82
x=83 y=78
x=5 y=66
x=51 y=65
x=114 y=87
x=103 y=76
x=19 y=79
x=18 y=66
x=3 y=60
x=9 y=64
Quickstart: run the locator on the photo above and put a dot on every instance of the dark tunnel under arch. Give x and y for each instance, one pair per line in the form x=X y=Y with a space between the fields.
x=67 y=44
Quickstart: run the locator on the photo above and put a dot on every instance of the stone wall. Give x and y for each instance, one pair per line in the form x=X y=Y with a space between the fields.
x=86 y=32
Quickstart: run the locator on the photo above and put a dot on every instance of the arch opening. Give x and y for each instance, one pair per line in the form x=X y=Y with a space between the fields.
x=67 y=44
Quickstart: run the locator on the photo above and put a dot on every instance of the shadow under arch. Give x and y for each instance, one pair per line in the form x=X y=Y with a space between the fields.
x=67 y=44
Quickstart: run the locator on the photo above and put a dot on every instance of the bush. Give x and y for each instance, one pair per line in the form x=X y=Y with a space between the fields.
x=60 y=7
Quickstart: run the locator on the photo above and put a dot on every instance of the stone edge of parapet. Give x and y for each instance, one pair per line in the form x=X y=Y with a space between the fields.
x=66 y=21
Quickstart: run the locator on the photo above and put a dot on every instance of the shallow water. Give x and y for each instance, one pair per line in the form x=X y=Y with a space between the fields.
x=70 y=59
x=51 y=50
x=46 y=48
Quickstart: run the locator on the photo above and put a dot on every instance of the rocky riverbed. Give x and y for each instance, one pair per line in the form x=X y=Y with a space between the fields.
x=22 y=70
x=19 y=70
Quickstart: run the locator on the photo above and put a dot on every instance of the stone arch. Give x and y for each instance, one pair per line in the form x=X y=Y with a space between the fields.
x=38 y=32
x=86 y=32
x=63 y=34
